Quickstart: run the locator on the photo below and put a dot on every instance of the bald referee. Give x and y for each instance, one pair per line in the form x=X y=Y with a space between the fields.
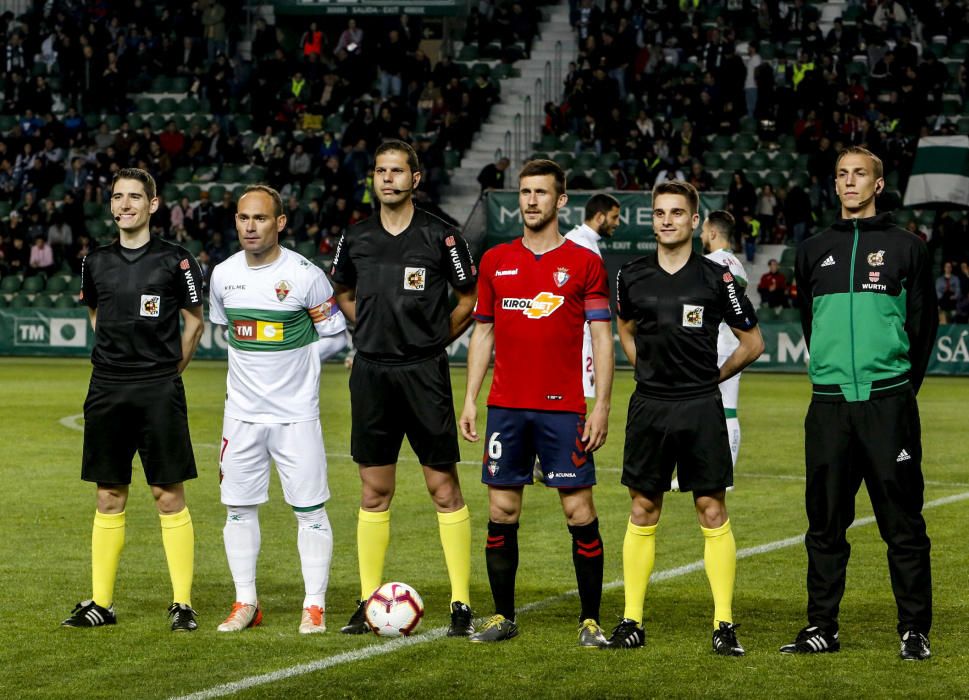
x=137 y=289
x=391 y=275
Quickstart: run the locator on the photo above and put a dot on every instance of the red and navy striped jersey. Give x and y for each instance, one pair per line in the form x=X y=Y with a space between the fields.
x=539 y=305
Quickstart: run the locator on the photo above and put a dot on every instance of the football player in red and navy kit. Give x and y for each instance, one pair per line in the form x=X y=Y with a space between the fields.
x=535 y=295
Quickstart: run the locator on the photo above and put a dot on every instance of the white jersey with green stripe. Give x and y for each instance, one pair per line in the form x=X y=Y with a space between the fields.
x=273 y=314
x=727 y=342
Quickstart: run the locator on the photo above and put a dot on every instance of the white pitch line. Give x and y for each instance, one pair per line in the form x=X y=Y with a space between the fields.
x=435 y=634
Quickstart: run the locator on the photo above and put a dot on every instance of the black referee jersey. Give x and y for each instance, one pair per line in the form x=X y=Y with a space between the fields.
x=401 y=285
x=137 y=334
x=677 y=322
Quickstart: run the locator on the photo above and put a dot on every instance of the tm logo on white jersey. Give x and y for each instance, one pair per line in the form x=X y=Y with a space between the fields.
x=543 y=304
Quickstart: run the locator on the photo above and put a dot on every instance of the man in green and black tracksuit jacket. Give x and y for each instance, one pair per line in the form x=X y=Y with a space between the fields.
x=868 y=311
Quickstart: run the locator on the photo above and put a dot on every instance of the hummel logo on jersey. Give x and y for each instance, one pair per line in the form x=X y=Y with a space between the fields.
x=544 y=304
x=828 y=261
x=903 y=455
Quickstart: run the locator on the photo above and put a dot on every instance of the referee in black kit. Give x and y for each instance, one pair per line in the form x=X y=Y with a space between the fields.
x=670 y=306
x=136 y=289
x=391 y=274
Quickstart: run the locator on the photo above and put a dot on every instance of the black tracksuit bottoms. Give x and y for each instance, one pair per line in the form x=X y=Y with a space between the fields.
x=879 y=442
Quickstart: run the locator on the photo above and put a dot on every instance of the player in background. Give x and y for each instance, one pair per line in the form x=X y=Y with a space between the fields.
x=670 y=306
x=601 y=221
x=717 y=235
x=281 y=320
x=392 y=273
x=536 y=294
x=136 y=290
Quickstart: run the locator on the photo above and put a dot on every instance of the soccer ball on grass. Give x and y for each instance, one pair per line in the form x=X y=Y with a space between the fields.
x=394 y=610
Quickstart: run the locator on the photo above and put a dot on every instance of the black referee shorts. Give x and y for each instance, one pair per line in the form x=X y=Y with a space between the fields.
x=388 y=402
x=150 y=418
x=690 y=435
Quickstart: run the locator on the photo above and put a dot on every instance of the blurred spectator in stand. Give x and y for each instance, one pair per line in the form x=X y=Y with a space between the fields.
x=948 y=291
x=312 y=41
x=797 y=214
x=60 y=237
x=773 y=287
x=492 y=176
x=41 y=258
x=741 y=197
x=765 y=212
x=213 y=24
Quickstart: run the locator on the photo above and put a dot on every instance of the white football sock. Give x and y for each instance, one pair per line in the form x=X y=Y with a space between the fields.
x=314 y=540
x=733 y=432
x=242 y=541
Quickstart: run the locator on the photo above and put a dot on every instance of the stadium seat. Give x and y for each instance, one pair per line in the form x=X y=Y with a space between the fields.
x=789 y=316
x=180 y=84
x=193 y=246
x=776 y=179
x=21 y=300
x=10 y=284
x=136 y=121
x=56 y=284
x=216 y=192
x=452 y=159
x=95 y=227
x=167 y=105
x=602 y=179
x=113 y=121
x=41 y=301
x=307 y=249
x=587 y=160
x=254 y=175
x=565 y=160
x=758 y=161
x=783 y=161
x=56 y=192
x=182 y=174
x=181 y=122
x=722 y=181
x=721 y=143
x=157 y=122
x=33 y=284
x=65 y=301
x=188 y=105
x=170 y=193
x=712 y=160
x=745 y=143
x=568 y=142
x=468 y=52
x=549 y=142
x=748 y=125
x=5 y=208
x=193 y=192
x=3 y=301
x=481 y=69
x=958 y=50
x=74 y=285
x=161 y=83
x=608 y=158
x=788 y=256
x=735 y=161
x=242 y=123
x=145 y=105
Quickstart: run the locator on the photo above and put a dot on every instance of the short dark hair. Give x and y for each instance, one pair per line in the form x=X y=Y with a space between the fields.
x=878 y=170
x=543 y=166
x=600 y=204
x=273 y=195
x=723 y=222
x=679 y=187
x=413 y=162
x=142 y=176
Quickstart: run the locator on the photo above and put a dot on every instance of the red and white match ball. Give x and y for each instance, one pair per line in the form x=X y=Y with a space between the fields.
x=394 y=610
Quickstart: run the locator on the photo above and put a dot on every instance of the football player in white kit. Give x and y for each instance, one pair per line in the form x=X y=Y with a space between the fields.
x=601 y=221
x=281 y=319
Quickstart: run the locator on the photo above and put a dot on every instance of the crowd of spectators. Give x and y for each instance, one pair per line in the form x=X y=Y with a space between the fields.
x=304 y=109
x=656 y=82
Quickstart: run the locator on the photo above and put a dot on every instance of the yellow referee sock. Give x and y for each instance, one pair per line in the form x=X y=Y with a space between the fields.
x=638 y=557
x=373 y=536
x=107 y=541
x=720 y=562
x=455 y=531
x=178 y=537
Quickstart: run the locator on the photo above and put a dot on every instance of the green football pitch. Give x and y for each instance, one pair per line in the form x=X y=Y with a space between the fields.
x=45 y=549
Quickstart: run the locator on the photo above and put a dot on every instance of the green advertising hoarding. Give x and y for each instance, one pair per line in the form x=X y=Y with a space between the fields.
x=67 y=333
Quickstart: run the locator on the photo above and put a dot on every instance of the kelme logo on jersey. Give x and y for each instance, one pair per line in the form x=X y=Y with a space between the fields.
x=561 y=276
x=877 y=258
x=415 y=278
x=150 y=305
x=692 y=316
x=542 y=305
x=283 y=288
x=259 y=331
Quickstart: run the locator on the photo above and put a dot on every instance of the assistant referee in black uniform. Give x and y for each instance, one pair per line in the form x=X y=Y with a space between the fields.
x=136 y=289
x=391 y=274
x=670 y=306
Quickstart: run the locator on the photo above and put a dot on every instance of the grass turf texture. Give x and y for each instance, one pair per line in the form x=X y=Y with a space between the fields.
x=45 y=567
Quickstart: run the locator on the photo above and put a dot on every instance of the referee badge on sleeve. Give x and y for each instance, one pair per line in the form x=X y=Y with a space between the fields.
x=149 y=305
x=692 y=316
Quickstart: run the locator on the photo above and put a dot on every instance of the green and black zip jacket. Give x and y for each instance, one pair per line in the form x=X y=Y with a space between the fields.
x=868 y=309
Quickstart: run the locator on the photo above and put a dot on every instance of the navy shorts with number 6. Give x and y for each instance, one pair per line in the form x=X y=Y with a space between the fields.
x=516 y=436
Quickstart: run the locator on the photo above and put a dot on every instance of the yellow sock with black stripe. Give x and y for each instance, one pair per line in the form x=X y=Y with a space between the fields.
x=107 y=541
x=638 y=557
x=373 y=537
x=720 y=562
x=178 y=538
x=455 y=531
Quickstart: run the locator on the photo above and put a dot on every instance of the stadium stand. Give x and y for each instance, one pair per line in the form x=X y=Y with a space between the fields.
x=770 y=90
